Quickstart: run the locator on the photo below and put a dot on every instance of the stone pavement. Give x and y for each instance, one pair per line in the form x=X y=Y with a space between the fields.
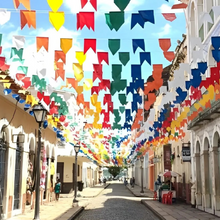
x=176 y=211
x=62 y=209
x=116 y=203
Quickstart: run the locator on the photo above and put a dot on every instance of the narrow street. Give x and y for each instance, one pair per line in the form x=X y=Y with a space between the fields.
x=116 y=203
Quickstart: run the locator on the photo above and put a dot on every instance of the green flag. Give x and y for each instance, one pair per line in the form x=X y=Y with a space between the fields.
x=122 y=109
x=24 y=69
x=17 y=59
x=114 y=45
x=108 y=21
x=122 y=99
x=0 y=39
x=117 y=19
x=116 y=71
x=124 y=57
x=14 y=52
x=122 y=4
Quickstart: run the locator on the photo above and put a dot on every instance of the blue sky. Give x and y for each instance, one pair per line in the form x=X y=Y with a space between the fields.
x=151 y=33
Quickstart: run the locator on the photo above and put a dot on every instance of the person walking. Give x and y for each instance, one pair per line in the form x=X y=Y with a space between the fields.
x=131 y=181
x=57 y=189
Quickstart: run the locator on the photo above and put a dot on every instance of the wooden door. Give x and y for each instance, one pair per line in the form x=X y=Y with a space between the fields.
x=60 y=166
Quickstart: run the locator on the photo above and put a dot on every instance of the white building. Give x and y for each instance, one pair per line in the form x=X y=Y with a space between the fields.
x=203 y=22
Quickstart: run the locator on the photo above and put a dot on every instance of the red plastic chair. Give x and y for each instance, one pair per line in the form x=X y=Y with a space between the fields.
x=165 y=198
x=155 y=195
x=169 y=198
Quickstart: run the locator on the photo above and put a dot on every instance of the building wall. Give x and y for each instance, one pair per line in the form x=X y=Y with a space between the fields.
x=204 y=165
x=68 y=171
x=22 y=123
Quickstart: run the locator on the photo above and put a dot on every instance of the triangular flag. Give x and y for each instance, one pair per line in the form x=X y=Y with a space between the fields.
x=81 y=57
x=55 y=4
x=57 y=19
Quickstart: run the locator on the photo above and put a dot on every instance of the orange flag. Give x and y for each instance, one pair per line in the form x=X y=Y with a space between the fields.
x=28 y=17
x=66 y=44
x=72 y=81
x=60 y=55
x=26 y=4
x=42 y=42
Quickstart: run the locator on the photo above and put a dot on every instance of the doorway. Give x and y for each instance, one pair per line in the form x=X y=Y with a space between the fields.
x=17 y=177
x=60 y=166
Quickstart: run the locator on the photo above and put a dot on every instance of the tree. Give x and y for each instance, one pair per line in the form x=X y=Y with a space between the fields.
x=114 y=171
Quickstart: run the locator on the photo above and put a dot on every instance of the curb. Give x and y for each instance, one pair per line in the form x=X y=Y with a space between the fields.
x=97 y=193
x=81 y=209
x=137 y=195
x=152 y=210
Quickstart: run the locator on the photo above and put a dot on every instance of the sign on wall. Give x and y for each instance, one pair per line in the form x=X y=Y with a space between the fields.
x=186 y=152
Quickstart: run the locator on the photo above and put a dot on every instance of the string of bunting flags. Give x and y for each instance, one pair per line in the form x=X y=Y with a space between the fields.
x=117 y=131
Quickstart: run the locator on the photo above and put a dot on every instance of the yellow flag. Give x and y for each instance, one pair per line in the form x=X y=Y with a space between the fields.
x=22 y=91
x=34 y=101
x=57 y=19
x=7 y=85
x=211 y=92
x=79 y=89
x=94 y=99
x=55 y=4
x=66 y=44
x=88 y=83
x=81 y=57
x=98 y=107
x=197 y=106
x=78 y=71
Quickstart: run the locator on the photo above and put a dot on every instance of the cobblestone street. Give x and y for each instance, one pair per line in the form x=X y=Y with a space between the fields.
x=116 y=203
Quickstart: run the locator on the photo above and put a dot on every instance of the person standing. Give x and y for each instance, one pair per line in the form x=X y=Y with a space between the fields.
x=57 y=189
x=133 y=182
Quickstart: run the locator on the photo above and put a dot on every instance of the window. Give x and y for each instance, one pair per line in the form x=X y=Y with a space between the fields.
x=211 y=13
x=201 y=33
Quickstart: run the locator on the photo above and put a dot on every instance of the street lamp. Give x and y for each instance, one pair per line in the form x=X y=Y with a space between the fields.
x=39 y=114
x=142 y=175
x=76 y=148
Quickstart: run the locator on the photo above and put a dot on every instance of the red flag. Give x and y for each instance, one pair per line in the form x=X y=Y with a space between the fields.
x=107 y=98
x=95 y=89
x=86 y=18
x=169 y=16
x=165 y=44
x=89 y=43
x=97 y=71
x=94 y=4
x=103 y=56
x=169 y=55
x=83 y=3
x=179 y=6
x=104 y=84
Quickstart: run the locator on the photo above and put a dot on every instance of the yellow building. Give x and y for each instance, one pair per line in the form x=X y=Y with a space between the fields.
x=18 y=141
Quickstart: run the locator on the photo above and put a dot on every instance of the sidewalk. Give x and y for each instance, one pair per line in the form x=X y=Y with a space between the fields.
x=62 y=209
x=176 y=211
x=137 y=189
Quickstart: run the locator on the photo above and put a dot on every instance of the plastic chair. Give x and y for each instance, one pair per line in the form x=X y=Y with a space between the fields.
x=155 y=195
x=164 y=199
x=169 y=198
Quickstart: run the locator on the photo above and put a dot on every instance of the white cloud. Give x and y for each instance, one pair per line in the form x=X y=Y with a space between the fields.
x=165 y=31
